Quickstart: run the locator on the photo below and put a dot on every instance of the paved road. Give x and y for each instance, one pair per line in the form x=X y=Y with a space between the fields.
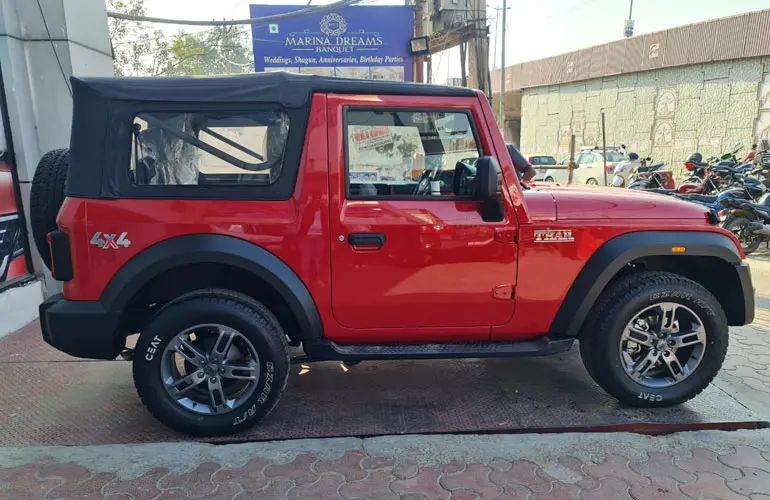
x=746 y=372
x=613 y=466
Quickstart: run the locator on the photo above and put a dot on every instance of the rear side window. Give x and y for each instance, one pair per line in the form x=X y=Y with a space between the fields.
x=208 y=149
x=409 y=153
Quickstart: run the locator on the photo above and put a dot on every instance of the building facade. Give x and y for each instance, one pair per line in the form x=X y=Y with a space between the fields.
x=667 y=113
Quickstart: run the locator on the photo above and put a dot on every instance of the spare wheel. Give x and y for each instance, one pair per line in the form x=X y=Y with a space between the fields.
x=46 y=198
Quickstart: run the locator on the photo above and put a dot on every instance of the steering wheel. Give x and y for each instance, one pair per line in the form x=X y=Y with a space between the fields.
x=423 y=186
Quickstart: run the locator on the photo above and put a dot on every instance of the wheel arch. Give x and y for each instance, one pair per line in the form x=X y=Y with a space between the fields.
x=651 y=250
x=188 y=263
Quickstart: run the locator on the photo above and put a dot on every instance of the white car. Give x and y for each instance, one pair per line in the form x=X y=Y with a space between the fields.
x=541 y=163
x=589 y=168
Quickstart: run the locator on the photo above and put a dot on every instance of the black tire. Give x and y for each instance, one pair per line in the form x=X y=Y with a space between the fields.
x=592 y=182
x=619 y=303
x=736 y=225
x=549 y=179
x=237 y=311
x=47 y=197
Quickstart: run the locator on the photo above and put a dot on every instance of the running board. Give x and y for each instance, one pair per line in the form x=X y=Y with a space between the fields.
x=329 y=350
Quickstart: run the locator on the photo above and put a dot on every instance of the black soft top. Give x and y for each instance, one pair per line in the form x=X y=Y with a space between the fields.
x=290 y=90
x=104 y=110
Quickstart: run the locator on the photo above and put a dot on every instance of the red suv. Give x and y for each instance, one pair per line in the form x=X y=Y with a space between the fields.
x=228 y=218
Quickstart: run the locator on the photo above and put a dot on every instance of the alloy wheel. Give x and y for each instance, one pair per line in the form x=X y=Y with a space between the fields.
x=662 y=345
x=210 y=369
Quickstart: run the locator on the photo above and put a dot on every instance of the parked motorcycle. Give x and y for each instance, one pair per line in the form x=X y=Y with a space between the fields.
x=743 y=189
x=749 y=222
x=700 y=180
x=629 y=171
x=651 y=176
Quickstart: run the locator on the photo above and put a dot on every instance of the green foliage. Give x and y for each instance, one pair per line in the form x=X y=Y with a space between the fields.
x=139 y=49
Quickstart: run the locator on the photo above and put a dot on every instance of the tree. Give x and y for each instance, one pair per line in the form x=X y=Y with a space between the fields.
x=141 y=50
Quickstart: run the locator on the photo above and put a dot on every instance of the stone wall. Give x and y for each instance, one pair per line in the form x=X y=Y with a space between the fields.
x=667 y=113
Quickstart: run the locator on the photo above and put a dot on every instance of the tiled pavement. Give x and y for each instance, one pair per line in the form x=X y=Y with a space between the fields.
x=739 y=472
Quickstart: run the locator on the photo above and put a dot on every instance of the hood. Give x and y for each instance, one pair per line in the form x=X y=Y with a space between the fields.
x=578 y=202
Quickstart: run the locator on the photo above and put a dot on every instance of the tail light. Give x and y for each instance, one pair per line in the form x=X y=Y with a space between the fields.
x=530 y=160
x=61 y=258
x=609 y=169
x=689 y=166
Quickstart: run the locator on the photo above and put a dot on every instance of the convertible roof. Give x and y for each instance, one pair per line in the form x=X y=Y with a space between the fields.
x=288 y=89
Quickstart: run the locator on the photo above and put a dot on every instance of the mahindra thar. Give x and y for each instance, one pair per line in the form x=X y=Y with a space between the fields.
x=225 y=219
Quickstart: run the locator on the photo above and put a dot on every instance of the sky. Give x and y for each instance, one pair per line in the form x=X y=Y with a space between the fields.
x=535 y=29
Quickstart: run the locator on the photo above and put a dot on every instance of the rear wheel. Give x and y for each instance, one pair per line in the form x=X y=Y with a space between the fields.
x=739 y=227
x=549 y=179
x=654 y=339
x=592 y=182
x=211 y=363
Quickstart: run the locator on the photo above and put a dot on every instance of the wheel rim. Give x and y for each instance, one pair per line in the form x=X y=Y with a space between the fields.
x=662 y=345
x=746 y=238
x=592 y=182
x=210 y=369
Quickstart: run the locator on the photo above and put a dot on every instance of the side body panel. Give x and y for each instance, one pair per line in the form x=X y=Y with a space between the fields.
x=295 y=230
x=434 y=276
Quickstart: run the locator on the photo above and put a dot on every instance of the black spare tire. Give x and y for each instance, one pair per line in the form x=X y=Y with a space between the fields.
x=47 y=197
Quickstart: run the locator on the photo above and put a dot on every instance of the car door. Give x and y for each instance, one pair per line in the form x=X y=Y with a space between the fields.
x=410 y=249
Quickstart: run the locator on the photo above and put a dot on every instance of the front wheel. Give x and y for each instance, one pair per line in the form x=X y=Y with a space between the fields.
x=654 y=339
x=211 y=363
x=739 y=226
x=549 y=179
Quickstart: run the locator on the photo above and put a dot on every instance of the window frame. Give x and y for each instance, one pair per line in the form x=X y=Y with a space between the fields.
x=117 y=182
x=394 y=109
x=222 y=155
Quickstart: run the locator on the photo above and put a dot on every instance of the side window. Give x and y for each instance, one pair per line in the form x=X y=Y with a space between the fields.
x=409 y=153
x=208 y=149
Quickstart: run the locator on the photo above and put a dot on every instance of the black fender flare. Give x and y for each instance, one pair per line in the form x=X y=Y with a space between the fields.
x=620 y=251
x=199 y=248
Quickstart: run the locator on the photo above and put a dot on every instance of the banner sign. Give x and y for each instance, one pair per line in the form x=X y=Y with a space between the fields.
x=370 y=42
x=12 y=242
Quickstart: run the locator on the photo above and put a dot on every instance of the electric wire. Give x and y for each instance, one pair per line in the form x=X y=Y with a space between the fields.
x=53 y=47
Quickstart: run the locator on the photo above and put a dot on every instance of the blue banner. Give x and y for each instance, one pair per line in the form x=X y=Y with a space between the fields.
x=354 y=42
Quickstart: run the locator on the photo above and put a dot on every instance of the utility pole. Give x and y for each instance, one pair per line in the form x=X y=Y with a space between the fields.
x=478 y=45
x=419 y=30
x=502 y=68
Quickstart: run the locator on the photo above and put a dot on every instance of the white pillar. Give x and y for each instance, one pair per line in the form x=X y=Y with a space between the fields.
x=36 y=81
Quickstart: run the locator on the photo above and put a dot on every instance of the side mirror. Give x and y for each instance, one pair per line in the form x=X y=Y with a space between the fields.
x=738 y=146
x=648 y=158
x=488 y=188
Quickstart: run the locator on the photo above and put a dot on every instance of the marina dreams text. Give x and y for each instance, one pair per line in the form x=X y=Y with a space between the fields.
x=299 y=60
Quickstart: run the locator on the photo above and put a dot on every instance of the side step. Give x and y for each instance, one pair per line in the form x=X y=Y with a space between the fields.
x=329 y=350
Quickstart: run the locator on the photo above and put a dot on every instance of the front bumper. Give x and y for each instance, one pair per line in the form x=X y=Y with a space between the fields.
x=744 y=275
x=84 y=329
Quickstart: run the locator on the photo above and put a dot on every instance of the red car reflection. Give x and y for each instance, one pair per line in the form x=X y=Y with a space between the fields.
x=12 y=263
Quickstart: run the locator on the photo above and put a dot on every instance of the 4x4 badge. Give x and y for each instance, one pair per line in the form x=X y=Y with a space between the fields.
x=105 y=241
x=554 y=236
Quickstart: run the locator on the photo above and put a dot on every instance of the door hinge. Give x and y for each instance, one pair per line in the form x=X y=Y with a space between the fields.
x=505 y=235
x=502 y=292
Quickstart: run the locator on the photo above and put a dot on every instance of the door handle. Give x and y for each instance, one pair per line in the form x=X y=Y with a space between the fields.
x=373 y=241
